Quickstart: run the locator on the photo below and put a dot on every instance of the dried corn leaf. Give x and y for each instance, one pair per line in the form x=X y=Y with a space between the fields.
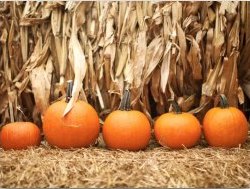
x=128 y=73
x=184 y=50
x=186 y=104
x=219 y=37
x=183 y=46
x=140 y=58
x=4 y=103
x=194 y=58
x=165 y=67
x=24 y=42
x=233 y=83
x=76 y=57
x=40 y=87
x=209 y=86
x=122 y=59
x=244 y=69
x=153 y=56
x=155 y=83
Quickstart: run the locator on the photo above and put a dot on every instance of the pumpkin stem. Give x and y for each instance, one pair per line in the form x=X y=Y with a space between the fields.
x=125 y=102
x=223 y=101
x=176 y=106
x=69 y=90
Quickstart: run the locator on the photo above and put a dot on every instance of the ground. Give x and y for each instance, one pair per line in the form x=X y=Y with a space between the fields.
x=201 y=166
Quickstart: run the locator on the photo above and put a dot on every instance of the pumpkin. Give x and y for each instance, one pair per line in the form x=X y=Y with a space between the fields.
x=19 y=135
x=225 y=126
x=126 y=129
x=78 y=128
x=177 y=129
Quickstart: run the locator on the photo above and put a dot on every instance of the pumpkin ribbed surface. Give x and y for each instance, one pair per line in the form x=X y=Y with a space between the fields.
x=79 y=128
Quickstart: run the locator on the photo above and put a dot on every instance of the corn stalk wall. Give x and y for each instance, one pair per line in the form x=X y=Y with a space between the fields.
x=190 y=51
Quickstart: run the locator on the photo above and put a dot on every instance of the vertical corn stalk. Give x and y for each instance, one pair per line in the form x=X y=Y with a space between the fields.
x=190 y=51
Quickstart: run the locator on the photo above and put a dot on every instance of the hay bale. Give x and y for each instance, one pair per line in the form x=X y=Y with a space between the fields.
x=97 y=167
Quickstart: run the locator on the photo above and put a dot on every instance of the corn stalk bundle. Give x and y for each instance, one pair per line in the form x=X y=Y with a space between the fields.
x=189 y=51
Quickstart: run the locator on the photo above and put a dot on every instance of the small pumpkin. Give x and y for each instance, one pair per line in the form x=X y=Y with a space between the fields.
x=19 y=135
x=78 y=128
x=177 y=129
x=126 y=129
x=225 y=126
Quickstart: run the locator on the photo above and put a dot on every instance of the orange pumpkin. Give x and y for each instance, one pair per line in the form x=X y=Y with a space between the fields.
x=126 y=129
x=225 y=126
x=19 y=135
x=177 y=129
x=79 y=128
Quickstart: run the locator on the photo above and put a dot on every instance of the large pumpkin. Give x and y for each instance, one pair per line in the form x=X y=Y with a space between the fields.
x=79 y=128
x=225 y=126
x=126 y=129
x=19 y=135
x=177 y=129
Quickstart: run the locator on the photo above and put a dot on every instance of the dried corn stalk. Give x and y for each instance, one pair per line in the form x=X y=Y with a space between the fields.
x=184 y=50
